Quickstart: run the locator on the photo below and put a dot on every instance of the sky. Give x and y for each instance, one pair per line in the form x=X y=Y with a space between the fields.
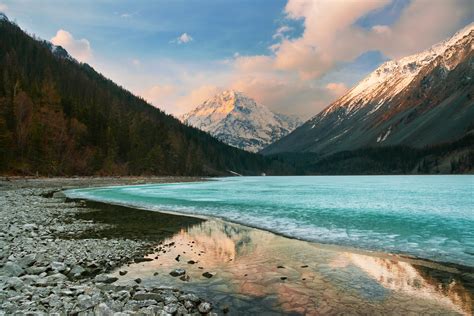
x=294 y=56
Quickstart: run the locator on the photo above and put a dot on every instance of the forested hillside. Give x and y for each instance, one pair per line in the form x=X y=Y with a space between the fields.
x=60 y=117
x=455 y=157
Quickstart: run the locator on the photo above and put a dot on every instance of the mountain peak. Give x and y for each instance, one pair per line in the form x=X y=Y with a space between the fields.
x=404 y=70
x=418 y=100
x=240 y=121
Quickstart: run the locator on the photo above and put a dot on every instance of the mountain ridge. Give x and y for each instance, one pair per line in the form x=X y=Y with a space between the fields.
x=419 y=100
x=240 y=121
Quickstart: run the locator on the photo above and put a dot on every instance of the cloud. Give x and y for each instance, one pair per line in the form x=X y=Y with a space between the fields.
x=3 y=7
x=331 y=34
x=253 y=63
x=196 y=97
x=78 y=48
x=136 y=62
x=337 y=88
x=422 y=24
x=280 y=32
x=302 y=75
x=287 y=94
x=160 y=95
x=184 y=38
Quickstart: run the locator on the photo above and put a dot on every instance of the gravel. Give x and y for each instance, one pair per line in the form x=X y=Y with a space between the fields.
x=45 y=270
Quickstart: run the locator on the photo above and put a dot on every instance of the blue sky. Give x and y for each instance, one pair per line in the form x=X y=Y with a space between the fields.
x=295 y=56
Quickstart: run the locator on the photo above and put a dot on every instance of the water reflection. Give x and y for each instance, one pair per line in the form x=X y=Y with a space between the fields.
x=255 y=271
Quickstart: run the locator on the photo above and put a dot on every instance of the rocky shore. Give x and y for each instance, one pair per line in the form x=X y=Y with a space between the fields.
x=55 y=261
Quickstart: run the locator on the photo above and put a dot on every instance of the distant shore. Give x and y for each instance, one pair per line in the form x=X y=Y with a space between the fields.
x=92 y=255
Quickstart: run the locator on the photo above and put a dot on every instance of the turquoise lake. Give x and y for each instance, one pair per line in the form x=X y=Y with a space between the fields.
x=430 y=217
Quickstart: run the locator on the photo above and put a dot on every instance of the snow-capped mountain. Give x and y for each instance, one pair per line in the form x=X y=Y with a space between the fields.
x=419 y=100
x=239 y=121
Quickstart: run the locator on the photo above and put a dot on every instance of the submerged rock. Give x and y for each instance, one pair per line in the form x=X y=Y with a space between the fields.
x=207 y=275
x=141 y=259
x=177 y=272
x=184 y=278
x=204 y=307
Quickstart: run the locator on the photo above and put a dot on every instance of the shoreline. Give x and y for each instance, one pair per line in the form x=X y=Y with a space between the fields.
x=336 y=247
x=148 y=248
x=52 y=263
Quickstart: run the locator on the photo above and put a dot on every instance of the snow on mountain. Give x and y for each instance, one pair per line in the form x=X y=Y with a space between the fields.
x=418 y=100
x=239 y=121
x=395 y=75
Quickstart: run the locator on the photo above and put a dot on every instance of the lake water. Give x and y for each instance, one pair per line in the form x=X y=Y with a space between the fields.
x=429 y=217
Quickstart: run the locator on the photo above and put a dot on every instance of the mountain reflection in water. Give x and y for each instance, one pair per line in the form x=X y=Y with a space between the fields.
x=256 y=271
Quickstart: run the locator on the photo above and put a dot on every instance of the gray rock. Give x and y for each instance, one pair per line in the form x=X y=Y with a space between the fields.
x=104 y=278
x=58 y=266
x=103 y=310
x=177 y=272
x=204 y=307
x=67 y=292
x=12 y=269
x=54 y=279
x=30 y=227
x=123 y=295
x=29 y=279
x=152 y=310
x=131 y=306
x=84 y=302
x=148 y=296
x=171 y=308
x=182 y=310
x=170 y=299
x=188 y=304
x=190 y=297
x=27 y=260
x=16 y=283
x=77 y=271
x=54 y=301
x=146 y=303
x=35 y=270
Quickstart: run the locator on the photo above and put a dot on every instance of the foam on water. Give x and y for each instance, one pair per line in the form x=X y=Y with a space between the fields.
x=427 y=216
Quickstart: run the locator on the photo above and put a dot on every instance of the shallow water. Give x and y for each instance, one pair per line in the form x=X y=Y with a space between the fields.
x=259 y=273
x=426 y=216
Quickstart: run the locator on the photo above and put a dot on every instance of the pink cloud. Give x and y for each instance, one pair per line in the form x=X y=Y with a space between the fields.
x=78 y=48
